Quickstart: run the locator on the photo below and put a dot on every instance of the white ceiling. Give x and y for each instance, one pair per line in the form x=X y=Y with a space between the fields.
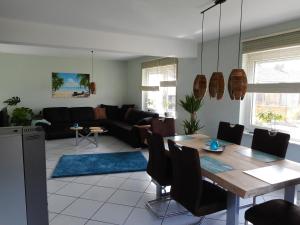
x=155 y=18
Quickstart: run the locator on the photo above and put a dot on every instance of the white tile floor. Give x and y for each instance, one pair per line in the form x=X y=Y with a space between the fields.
x=110 y=199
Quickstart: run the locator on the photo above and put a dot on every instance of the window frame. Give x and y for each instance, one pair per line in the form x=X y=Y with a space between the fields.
x=249 y=61
x=157 y=63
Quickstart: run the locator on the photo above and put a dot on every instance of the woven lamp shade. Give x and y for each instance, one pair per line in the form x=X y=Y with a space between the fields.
x=93 y=88
x=216 y=85
x=237 y=84
x=200 y=86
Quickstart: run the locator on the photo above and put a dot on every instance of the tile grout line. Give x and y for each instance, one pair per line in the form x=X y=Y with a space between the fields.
x=96 y=185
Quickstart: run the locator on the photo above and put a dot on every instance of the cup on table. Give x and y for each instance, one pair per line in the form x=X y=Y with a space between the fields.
x=214 y=144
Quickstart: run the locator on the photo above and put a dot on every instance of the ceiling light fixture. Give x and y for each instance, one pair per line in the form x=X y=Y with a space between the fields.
x=92 y=84
x=237 y=82
x=200 y=83
x=217 y=83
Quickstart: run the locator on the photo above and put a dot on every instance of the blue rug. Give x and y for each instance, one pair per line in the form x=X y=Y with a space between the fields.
x=104 y=163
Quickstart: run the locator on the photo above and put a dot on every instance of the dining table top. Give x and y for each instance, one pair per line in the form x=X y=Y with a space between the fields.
x=236 y=180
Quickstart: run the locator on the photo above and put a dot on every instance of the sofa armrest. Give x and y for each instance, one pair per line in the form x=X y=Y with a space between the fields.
x=142 y=132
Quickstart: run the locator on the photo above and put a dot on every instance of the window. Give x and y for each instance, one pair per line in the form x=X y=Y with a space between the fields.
x=159 y=86
x=274 y=84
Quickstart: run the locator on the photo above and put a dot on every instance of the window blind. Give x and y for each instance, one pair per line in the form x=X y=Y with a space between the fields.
x=159 y=62
x=276 y=41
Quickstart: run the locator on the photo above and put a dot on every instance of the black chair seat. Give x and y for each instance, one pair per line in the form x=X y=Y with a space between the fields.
x=274 y=212
x=213 y=199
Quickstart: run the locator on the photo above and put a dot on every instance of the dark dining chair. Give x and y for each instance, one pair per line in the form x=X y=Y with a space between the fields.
x=198 y=196
x=274 y=143
x=230 y=132
x=159 y=168
x=165 y=127
x=274 y=212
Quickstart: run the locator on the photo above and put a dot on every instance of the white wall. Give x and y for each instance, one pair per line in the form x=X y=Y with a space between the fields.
x=29 y=77
x=213 y=111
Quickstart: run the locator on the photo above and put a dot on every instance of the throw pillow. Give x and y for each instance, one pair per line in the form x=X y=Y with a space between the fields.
x=100 y=113
x=127 y=114
x=124 y=110
x=112 y=111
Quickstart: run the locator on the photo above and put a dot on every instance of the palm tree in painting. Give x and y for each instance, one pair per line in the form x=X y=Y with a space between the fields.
x=57 y=82
x=84 y=80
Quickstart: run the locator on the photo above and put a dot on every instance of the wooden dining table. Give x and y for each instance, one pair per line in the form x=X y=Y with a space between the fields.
x=238 y=183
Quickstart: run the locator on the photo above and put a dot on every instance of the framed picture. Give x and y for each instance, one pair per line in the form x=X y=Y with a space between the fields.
x=70 y=85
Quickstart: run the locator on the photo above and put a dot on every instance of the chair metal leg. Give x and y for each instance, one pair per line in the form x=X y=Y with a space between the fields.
x=254 y=200
x=161 y=214
x=199 y=222
x=249 y=205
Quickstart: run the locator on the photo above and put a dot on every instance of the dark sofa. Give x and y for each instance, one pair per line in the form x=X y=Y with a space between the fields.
x=118 y=124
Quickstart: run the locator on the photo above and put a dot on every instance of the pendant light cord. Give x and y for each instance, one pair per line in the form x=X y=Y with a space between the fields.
x=240 y=35
x=92 y=65
x=202 y=42
x=218 y=61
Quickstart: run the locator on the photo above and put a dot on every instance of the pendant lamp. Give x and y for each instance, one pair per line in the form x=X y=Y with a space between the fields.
x=92 y=84
x=237 y=82
x=216 y=83
x=200 y=83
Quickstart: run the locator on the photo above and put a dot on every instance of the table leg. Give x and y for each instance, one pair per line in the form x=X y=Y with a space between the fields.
x=96 y=139
x=290 y=194
x=76 y=138
x=233 y=207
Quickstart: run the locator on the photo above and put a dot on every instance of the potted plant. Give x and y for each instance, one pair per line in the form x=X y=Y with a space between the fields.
x=191 y=104
x=20 y=116
x=269 y=118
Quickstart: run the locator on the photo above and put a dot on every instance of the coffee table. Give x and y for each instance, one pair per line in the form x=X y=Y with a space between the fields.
x=94 y=131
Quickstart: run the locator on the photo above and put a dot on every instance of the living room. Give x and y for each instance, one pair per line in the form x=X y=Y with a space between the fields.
x=125 y=48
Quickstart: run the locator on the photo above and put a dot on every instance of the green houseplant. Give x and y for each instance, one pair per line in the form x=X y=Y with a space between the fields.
x=20 y=116
x=268 y=117
x=191 y=104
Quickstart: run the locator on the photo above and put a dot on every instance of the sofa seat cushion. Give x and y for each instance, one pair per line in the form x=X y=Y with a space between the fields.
x=135 y=116
x=59 y=131
x=56 y=115
x=121 y=125
x=79 y=114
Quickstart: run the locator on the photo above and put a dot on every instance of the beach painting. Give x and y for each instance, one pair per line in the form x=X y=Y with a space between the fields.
x=70 y=85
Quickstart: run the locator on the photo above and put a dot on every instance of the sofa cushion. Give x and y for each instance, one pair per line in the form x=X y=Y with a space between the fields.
x=123 y=110
x=57 y=115
x=134 y=116
x=145 y=121
x=82 y=114
x=121 y=125
x=100 y=113
x=112 y=111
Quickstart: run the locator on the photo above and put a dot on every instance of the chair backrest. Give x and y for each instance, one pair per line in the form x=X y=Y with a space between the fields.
x=275 y=144
x=165 y=128
x=186 y=186
x=230 y=132
x=159 y=164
